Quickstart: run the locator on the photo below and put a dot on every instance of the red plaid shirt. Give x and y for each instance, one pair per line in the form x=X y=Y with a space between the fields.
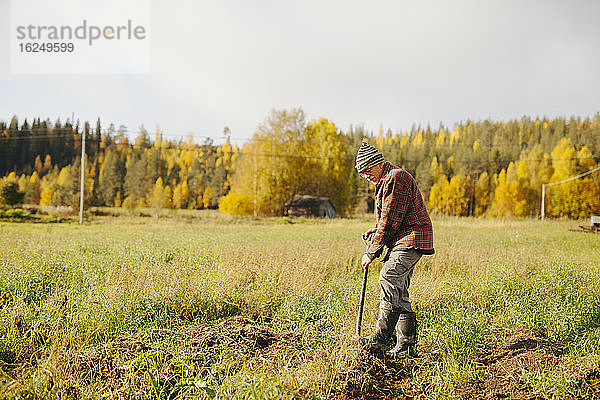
x=402 y=219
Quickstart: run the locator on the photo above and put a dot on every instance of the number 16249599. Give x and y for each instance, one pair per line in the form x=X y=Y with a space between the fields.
x=46 y=47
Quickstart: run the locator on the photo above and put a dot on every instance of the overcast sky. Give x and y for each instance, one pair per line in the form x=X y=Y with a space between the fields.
x=391 y=63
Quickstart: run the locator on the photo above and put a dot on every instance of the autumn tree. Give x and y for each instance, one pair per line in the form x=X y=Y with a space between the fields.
x=482 y=194
x=286 y=156
x=32 y=189
x=109 y=178
x=273 y=167
x=160 y=197
x=508 y=198
x=329 y=165
x=9 y=192
x=135 y=179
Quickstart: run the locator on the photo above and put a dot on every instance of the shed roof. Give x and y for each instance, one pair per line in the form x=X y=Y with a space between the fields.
x=307 y=201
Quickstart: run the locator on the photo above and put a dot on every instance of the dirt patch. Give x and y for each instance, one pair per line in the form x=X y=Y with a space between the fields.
x=106 y=361
x=163 y=360
x=241 y=334
x=368 y=377
x=507 y=362
x=506 y=365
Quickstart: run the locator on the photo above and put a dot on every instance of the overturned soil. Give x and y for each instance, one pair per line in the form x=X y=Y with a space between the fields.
x=505 y=366
x=131 y=361
x=158 y=362
x=507 y=362
x=369 y=377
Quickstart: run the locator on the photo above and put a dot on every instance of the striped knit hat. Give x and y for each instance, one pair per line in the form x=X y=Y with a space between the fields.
x=367 y=157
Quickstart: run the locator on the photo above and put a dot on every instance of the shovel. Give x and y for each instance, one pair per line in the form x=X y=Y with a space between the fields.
x=362 y=293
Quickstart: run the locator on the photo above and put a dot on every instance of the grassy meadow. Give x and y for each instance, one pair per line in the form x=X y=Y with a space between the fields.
x=214 y=307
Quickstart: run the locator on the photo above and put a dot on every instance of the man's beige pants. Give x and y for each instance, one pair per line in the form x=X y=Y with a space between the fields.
x=394 y=279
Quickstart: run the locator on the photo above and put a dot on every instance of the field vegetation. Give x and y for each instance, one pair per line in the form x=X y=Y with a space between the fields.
x=211 y=306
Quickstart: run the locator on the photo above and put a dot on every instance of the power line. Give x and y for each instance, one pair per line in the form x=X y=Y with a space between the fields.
x=271 y=154
x=559 y=182
x=495 y=144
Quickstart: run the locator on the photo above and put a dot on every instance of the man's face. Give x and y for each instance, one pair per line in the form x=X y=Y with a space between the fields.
x=371 y=174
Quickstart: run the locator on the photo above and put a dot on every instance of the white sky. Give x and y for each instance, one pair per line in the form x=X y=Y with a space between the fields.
x=394 y=63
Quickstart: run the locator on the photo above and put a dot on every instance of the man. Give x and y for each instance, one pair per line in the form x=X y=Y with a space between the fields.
x=404 y=229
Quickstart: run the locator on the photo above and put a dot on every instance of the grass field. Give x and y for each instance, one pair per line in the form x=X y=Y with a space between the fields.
x=212 y=307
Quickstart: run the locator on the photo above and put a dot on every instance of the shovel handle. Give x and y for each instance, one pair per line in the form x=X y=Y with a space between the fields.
x=363 y=290
x=362 y=301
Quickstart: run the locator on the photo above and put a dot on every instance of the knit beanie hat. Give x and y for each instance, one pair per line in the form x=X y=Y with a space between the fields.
x=367 y=157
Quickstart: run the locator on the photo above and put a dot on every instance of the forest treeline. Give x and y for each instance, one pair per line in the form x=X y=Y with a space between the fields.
x=484 y=168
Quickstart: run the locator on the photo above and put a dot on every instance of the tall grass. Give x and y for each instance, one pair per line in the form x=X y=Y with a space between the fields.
x=257 y=309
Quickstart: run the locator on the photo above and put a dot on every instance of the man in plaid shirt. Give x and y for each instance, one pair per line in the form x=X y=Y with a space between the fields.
x=404 y=230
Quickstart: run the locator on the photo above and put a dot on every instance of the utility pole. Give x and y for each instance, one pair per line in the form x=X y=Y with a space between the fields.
x=82 y=175
x=543 y=200
x=272 y=167
x=255 y=186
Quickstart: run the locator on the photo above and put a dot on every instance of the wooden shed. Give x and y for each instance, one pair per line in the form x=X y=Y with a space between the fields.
x=309 y=206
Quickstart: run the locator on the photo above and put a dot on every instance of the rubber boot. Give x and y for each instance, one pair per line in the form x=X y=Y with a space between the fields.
x=384 y=329
x=406 y=336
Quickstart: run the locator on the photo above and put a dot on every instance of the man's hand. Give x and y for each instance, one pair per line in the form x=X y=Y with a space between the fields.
x=366 y=261
x=368 y=233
